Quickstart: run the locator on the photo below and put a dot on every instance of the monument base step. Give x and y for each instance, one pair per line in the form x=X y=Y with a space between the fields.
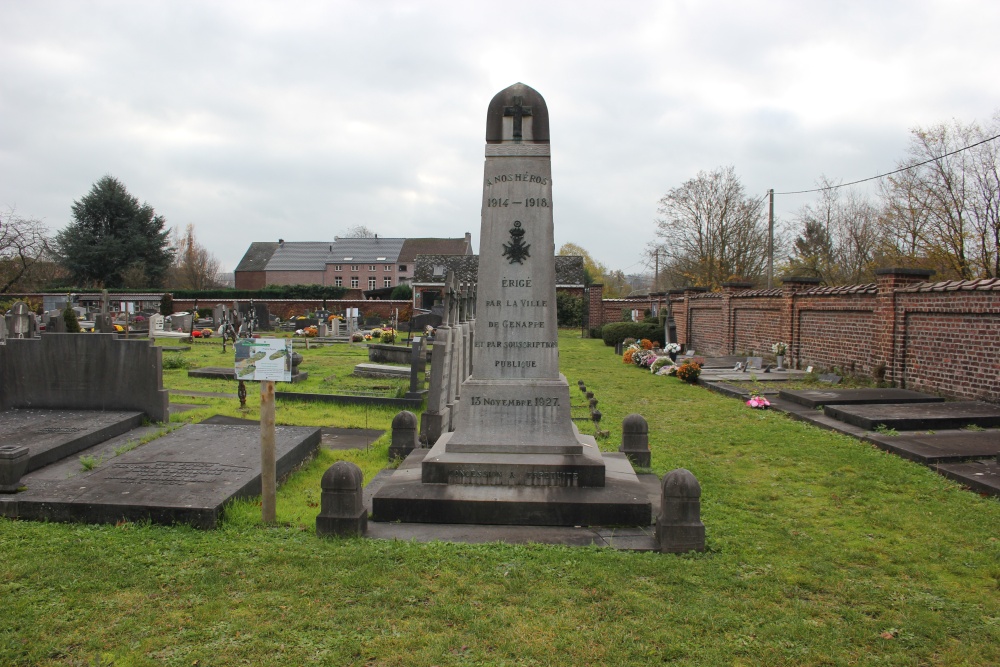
x=622 y=501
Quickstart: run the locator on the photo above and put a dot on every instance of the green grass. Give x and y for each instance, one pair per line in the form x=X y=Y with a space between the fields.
x=822 y=550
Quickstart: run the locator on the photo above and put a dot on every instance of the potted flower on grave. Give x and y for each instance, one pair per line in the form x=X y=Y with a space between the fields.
x=779 y=350
x=672 y=349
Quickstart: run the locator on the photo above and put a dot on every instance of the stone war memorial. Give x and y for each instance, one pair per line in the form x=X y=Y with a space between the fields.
x=513 y=455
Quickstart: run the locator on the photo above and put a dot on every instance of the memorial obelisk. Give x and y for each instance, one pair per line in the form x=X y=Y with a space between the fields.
x=515 y=455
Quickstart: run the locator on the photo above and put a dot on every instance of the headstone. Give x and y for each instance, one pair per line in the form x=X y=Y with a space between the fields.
x=102 y=321
x=418 y=368
x=56 y=322
x=181 y=321
x=755 y=363
x=342 y=508
x=436 y=417
x=512 y=426
x=635 y=439
x=13 y=464
x=678 y=527
x=830 y=378
x=404 y=435
x=21 y=320
x=218 y=314
x=156 y=324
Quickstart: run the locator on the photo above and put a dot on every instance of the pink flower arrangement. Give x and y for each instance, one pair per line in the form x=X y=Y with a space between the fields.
x=759 y=402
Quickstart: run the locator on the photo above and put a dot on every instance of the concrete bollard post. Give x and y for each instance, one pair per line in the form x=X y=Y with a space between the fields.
x=678 y=527
x=404 y=435
x=635 y=440
x=342 y=508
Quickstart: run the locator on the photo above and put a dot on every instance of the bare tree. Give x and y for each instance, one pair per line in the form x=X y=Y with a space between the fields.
x=946 y=213
x=23 y=248
x=358 y=232
x=712 y=231
x=194 y=266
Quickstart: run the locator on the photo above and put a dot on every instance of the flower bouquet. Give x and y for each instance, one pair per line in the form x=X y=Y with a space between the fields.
x=758 y=402
x=779 y=349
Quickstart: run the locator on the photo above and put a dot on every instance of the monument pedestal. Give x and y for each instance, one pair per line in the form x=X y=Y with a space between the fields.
x=622 y=501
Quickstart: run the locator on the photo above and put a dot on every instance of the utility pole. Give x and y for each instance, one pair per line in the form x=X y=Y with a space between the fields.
x=656 y=276
x=770 y=240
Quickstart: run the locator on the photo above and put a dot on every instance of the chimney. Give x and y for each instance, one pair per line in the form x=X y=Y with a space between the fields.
x=468 y=241
x=281 y=243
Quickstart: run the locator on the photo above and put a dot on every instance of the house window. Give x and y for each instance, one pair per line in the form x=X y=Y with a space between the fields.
x=371 y=267
x=354 y=281
x=402 y=267
x=387 y=267
x=371 y=283
x=338 y=281
x=336 y=267
x=388 y=282
x=354 y=267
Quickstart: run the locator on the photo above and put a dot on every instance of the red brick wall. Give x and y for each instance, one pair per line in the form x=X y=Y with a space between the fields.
x=707 y=328
x=840 y=339
x=936 y=337
x=250 y=280
x=756 y=326
x=950 y=342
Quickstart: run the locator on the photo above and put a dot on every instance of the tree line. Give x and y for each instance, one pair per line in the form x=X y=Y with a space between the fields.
x=941 y=211
x=113 y=241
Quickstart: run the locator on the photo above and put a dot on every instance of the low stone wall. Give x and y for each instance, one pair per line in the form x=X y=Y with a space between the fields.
x=83 y=372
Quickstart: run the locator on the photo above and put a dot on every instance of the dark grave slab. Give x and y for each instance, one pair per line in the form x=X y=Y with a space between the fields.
x=830 y=378
x=980 y=476
x=51 y=435
x=186 y=476
x=229 y=373
x=944 y=447
x=917 y=416
x=175 y=348
x=814 y=398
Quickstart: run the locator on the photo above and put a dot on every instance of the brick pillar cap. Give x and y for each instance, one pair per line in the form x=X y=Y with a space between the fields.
x=695 y=289
x=903 y=271
x=679 y=290
x=738 y=284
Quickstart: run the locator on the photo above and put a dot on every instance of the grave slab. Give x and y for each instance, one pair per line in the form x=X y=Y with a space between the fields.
x=917 y=417
x=814 y=398
x=382 y=371
x=186 y=476
x=940 y=447
x=51 y=435
x=980 y=476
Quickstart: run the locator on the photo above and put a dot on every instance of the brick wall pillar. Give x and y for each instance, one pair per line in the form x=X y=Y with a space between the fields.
x=595 y=306
x=689 y=293
x=889 y=343
x=728 y=321
x=789 y=324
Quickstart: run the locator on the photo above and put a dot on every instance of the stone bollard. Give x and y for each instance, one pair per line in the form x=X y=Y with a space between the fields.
x=635 y=440
x=404 y=435
x=592 y=402
x=589 y=394
x=583 y=387
x=13 y=463
x=342 y=508
x=678 y=527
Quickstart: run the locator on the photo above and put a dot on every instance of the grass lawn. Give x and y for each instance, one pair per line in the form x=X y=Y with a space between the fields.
x=821 y=551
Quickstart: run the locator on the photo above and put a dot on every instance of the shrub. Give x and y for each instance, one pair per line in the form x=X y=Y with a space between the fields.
x=689 y=371
x=616 y=332
x=402 y=292
x=69 y=317
x=388 y=336
x=166 y=304
x=569 y=309
x=175 y=361
x=595 y=332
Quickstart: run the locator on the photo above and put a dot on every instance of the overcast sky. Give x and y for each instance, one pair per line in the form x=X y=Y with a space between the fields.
x=259 y=120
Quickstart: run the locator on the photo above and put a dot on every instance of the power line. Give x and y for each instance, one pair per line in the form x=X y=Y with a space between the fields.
x=872 y=178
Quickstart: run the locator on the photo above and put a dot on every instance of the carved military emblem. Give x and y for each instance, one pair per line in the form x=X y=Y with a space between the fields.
x=517 y=249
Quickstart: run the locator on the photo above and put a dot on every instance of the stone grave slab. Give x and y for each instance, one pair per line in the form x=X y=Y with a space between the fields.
x=918 y=416
x=980 y=476
x=229 y=373
x=51 y=435
x=186 y=476
x=382 y=371
x=940 y=447
x=830 y=378
x=815 y=398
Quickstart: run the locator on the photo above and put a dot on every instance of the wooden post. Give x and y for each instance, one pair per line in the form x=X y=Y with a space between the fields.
x=268 y=482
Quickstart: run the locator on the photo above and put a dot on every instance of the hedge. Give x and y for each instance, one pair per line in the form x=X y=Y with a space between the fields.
x=615 y=332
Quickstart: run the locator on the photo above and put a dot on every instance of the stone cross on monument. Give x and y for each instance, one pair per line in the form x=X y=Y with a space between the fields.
x=512 y=427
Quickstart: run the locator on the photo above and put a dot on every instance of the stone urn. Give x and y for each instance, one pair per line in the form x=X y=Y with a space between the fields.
x=781 y=362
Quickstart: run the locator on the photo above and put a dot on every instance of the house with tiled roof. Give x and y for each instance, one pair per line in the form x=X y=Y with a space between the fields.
x=361 y=264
